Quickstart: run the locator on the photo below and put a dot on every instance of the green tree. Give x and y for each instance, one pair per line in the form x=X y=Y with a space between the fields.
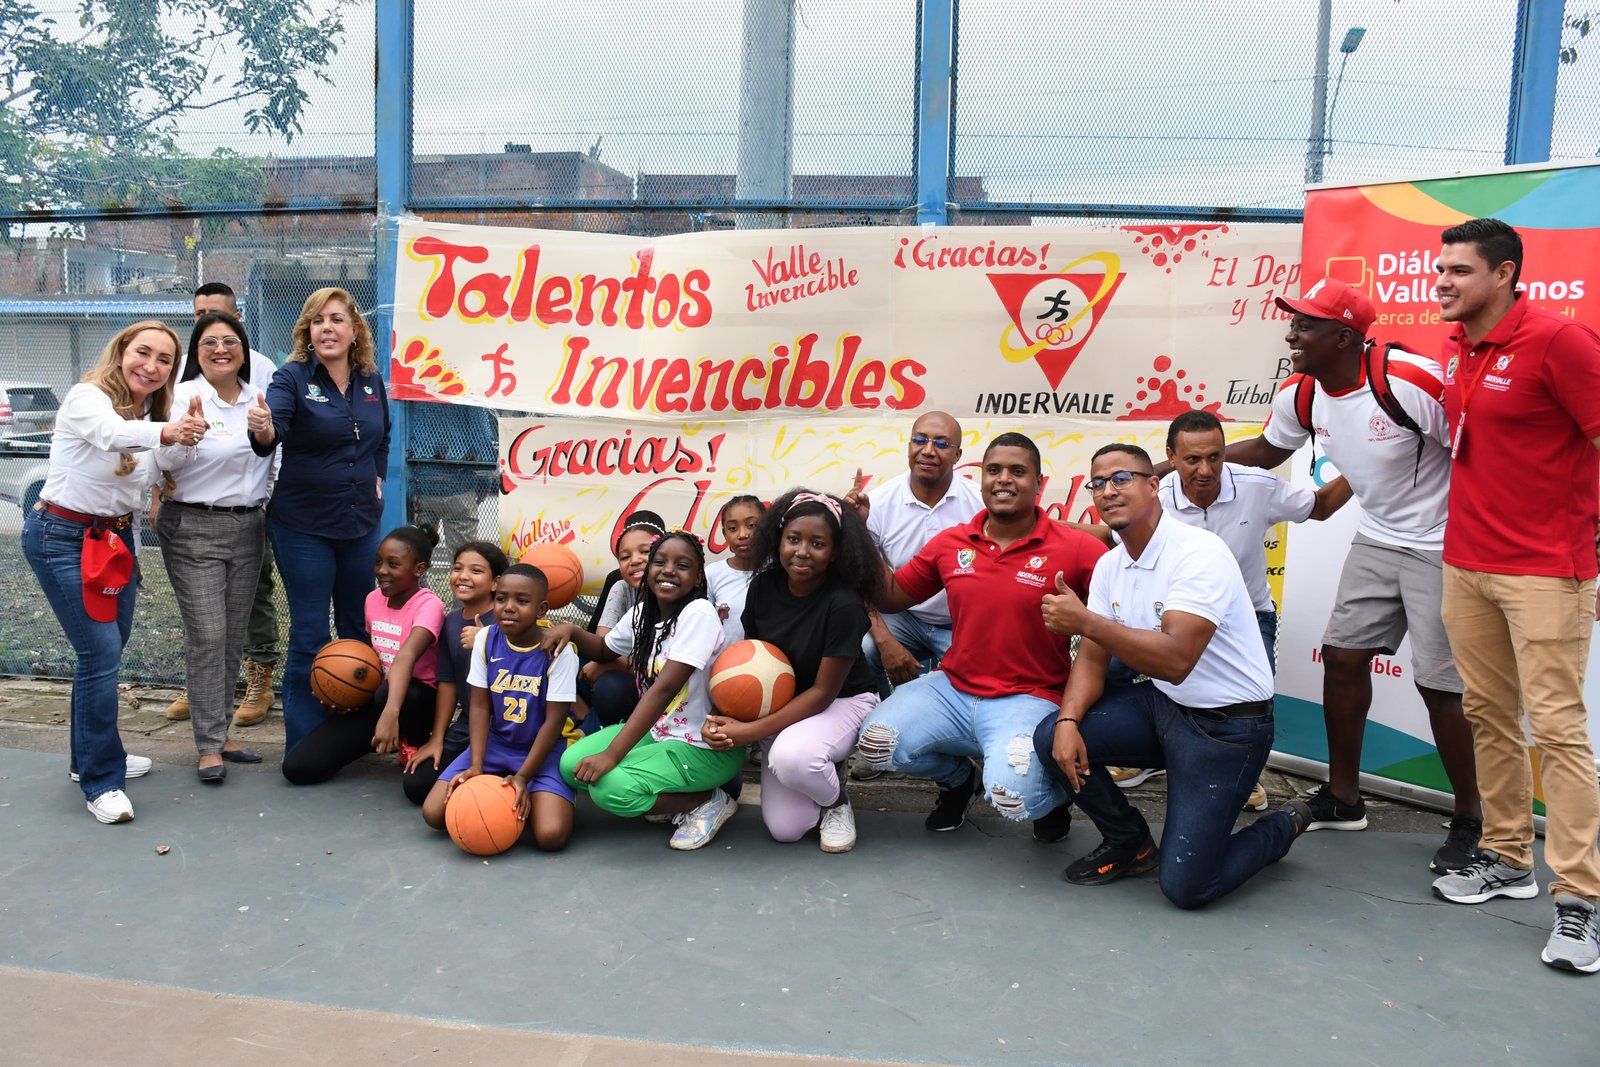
x=89 y=110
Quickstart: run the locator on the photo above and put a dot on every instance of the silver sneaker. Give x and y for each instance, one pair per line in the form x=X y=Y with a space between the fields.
x=838 y=828
x=698 y=825
x=1574 y=943
x=1484 y=879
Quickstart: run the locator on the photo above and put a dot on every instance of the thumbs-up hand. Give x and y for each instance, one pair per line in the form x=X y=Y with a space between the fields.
x=196 y=408
x=857 y=498
x=192 y=426
x=259 y=418
x=1063 y=612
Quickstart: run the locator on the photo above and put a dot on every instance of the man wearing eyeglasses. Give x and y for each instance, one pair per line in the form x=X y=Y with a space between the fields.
x=1169 y=602
x=261 y=638
x=903 y=515
x=1392 y=584
x=1004 y=669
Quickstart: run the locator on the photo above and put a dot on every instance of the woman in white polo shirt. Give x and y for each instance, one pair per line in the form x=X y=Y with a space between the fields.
x=102 y=465
x=212 y=525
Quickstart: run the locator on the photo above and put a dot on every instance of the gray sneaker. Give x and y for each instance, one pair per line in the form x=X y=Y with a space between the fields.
x=1484 y=879
x=1574 y=943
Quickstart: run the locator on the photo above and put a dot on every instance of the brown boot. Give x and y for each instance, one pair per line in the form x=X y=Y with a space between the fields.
x=257 y=694
x=178 y=710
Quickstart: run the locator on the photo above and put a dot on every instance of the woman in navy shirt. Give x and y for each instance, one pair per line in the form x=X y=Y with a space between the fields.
x=328 y=408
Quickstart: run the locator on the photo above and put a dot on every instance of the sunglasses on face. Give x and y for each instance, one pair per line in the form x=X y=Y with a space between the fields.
x=943 y=444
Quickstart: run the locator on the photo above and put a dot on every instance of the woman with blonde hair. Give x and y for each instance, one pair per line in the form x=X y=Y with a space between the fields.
x=328 y=408
x=78 y=538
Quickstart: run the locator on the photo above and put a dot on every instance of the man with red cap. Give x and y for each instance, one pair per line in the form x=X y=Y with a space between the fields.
x=1379 y=418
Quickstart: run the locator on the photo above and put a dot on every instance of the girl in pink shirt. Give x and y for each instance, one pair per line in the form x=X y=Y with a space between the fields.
x=404 y=618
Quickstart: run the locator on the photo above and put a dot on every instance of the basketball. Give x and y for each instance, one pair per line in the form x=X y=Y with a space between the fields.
x=562 y=569
x=345 y=674
x=481 y=815
x=751 y=679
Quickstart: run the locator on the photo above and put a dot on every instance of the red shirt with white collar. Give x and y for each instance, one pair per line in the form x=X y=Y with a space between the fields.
x=1523 y=485
x=999 y=645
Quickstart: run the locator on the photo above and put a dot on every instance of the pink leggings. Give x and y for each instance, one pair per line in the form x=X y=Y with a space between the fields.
x=798 y=776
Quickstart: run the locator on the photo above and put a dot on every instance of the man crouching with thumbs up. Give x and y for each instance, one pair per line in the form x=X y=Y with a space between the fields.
x=1170 y=602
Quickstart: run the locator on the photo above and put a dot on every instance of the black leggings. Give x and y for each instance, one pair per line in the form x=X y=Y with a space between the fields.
x=343 y=739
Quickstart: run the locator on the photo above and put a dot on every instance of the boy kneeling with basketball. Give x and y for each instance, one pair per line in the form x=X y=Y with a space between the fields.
x=521 y=696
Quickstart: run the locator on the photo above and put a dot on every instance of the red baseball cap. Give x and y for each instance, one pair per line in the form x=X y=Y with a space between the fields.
x=1332 y=299
x=107 y=567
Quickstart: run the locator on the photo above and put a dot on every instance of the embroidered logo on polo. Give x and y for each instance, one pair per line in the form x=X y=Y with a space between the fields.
x=1450 y=368
x=964 y=558
x=1160 y=607
x=1381 y=429
x=1497 y=377
x=314 y=392
x=1035 y=562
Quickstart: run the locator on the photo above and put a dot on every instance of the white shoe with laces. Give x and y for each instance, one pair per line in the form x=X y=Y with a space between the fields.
x=138 y=767
x=838 y=827
x=112 y=806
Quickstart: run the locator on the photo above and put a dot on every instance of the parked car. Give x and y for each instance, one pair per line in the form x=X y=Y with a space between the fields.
x=24 y=462
x=27 y=407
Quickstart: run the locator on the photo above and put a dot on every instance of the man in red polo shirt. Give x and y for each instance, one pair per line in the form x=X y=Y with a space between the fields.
x=1522 y=392
x=1004 y=670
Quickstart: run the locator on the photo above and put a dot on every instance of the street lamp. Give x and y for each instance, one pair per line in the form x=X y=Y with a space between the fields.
x=1317 y=147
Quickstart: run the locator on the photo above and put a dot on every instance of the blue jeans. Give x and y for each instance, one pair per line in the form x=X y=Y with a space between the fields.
x=317 y=571
x=1268 y=622
x=54 y=549
x=1211 y=767
x=930 y=729
x=922 y=639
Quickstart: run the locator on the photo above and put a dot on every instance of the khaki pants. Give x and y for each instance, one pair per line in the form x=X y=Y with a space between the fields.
x=1522 y=641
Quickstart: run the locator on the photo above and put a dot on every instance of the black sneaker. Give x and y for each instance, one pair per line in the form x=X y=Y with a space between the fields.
x=1110 y=862
x=1299 y=813
x=950 y=812
x=1328 y=812
x=1460 y=846
x=1054 y=826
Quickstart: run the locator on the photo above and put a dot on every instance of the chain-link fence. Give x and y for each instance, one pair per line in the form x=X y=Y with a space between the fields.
x=146 y=148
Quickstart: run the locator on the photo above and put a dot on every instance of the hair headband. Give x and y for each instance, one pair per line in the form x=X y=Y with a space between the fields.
x=815 y=498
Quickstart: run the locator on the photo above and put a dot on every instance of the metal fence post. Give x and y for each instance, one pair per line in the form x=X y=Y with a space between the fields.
x=392 y=152
x=933 y=112
x=1535 y=63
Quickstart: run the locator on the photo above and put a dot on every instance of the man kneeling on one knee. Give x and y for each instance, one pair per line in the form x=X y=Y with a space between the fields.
x=1170 y=602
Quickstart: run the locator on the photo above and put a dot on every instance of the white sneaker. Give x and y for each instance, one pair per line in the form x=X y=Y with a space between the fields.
x=138 y=767
x=699 y=825
x=112 y=806
x=838 y=828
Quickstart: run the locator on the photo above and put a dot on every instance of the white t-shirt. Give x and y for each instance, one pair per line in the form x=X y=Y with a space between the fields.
x=902 y=525
x=696 y=640
x=1377 y=457
x=563 y=676
x=726 y=588
x=1190 y=570
x=222 y=470
x=1249 y=503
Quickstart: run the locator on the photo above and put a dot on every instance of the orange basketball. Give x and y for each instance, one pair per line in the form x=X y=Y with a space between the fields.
x=562 y=569
x=481 y=815
x=751 y=679
x=345 y=674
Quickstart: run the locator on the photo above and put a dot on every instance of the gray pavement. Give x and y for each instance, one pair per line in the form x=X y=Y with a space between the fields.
x=336 y=901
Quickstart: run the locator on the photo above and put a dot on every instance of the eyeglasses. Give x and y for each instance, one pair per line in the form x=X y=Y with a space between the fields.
x=211 y=344
x=1120 y=479
x=943 y=444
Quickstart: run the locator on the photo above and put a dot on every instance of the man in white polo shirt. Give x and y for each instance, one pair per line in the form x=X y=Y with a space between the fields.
x=1170 y=603
x=1393 y=579
x=906 y=511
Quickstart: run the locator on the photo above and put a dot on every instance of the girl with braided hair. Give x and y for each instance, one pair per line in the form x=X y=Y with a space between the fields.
x=657 y=762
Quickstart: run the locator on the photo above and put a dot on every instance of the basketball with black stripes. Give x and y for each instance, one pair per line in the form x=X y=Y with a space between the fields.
x=562 y=568
x=345 y=674
x=481 y=815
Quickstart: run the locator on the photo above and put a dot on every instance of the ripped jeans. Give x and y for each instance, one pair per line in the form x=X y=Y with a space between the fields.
x=930 y=729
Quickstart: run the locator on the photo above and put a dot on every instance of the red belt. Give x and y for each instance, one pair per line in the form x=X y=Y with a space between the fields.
x=98 y=522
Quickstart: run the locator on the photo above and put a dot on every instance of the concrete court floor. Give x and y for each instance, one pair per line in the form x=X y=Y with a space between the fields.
x=329 y=925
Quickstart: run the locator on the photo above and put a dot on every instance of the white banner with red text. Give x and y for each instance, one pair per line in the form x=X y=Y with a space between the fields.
x=1135 y=322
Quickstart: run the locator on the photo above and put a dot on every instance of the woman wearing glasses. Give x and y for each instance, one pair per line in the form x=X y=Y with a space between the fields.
x=212 y=529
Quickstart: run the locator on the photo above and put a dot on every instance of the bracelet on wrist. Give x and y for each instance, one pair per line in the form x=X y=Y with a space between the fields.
x=1068 y=718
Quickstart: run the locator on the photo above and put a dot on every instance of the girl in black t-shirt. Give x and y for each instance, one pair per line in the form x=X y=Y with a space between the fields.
x=818 y=572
